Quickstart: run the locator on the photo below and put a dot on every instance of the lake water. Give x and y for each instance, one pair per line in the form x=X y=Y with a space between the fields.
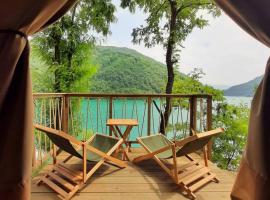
x=239 y=100
x=95 y=113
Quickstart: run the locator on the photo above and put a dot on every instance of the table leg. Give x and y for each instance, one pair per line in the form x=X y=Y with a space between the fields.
x=126 y=133
x=114 y=131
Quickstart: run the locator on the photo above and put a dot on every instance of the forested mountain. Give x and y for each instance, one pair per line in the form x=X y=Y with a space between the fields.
x=245 y=89
x=123 y=70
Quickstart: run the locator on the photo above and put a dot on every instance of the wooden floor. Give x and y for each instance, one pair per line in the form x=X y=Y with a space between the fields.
x=145 y=181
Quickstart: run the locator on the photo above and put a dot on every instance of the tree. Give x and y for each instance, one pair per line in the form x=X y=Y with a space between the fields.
x=169 y=22
x=228 y=147
x=66 y=45
x=196 y=74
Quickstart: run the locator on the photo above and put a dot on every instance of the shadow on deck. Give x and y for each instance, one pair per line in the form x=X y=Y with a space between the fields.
x=137 y=182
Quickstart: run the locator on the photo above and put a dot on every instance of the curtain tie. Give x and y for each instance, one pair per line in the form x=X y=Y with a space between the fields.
x=14 y=32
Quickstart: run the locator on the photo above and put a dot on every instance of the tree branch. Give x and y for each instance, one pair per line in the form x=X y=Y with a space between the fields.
x=181 y=8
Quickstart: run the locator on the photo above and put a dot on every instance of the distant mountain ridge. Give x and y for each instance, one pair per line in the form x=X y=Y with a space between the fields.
x=244 y=89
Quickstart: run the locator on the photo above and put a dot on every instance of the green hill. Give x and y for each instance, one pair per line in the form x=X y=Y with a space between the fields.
x=245 y=89
x=123 y=70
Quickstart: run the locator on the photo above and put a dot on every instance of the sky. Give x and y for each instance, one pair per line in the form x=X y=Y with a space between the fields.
x=226 y=53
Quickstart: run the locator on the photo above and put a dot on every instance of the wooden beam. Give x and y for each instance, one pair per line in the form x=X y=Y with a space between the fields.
x=84 y=162
x=117 y=95
x=110 y=112
x=209 y=125
x=149 y=107
x=55 y=187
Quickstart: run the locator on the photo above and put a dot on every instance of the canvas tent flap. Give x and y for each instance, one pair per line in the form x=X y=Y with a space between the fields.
x=16 y=109
x=252 y=181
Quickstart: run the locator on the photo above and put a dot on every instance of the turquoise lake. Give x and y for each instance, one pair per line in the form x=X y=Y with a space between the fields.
x=94 y=113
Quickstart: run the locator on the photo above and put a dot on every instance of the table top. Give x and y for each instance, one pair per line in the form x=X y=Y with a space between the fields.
x=123 y=122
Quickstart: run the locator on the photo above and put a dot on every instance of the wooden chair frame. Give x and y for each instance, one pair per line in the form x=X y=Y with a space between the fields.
x=77 y=178
x=187 y=177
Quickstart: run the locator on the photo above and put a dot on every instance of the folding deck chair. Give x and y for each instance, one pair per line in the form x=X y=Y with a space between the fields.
x=66 y=181
x=190 y=176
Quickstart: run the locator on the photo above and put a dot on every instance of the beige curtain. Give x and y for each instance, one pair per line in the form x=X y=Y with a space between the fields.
x=19 y=19
x=252 y=182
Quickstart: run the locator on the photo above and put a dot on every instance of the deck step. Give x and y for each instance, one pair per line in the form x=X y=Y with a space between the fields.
x=62 y=181
x=190 y=171
x=196 y=175
x=202 y=182
x=183 y=167
x=74 y=172
x=66 y=174
x=54 y=187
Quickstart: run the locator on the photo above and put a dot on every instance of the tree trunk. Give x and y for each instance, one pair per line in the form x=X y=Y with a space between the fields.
x=69 y=79
x=169 y=64
x=57 y=73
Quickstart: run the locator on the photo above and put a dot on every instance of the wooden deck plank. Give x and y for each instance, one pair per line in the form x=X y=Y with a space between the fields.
x=143 y=181
x=135 y=196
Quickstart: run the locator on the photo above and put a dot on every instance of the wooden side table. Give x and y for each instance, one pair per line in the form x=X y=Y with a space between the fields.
x=115 y=124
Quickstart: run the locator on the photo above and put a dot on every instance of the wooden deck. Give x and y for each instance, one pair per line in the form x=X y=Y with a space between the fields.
x=137 y=182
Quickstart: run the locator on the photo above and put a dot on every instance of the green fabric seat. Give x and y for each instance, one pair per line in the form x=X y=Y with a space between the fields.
x=193 y=146
x=101 y=142
x=156 y=142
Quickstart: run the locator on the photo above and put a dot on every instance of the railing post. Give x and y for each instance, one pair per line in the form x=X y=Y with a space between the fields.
x=110 y=111
x=65 y=113
x=209 y=125
x=149 y=106
x=193 y=115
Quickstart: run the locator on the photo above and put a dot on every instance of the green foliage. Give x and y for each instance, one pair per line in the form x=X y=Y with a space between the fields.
x=122 y=70
x=229 y=146
x=42 y=77
x=66 y=45
x=43 y=74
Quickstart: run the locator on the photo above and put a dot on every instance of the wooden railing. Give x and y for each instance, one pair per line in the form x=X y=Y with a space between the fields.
x=84 y=114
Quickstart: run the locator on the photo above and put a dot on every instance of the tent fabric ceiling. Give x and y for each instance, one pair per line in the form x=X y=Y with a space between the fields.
x=19 y=18
x=252 y=181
